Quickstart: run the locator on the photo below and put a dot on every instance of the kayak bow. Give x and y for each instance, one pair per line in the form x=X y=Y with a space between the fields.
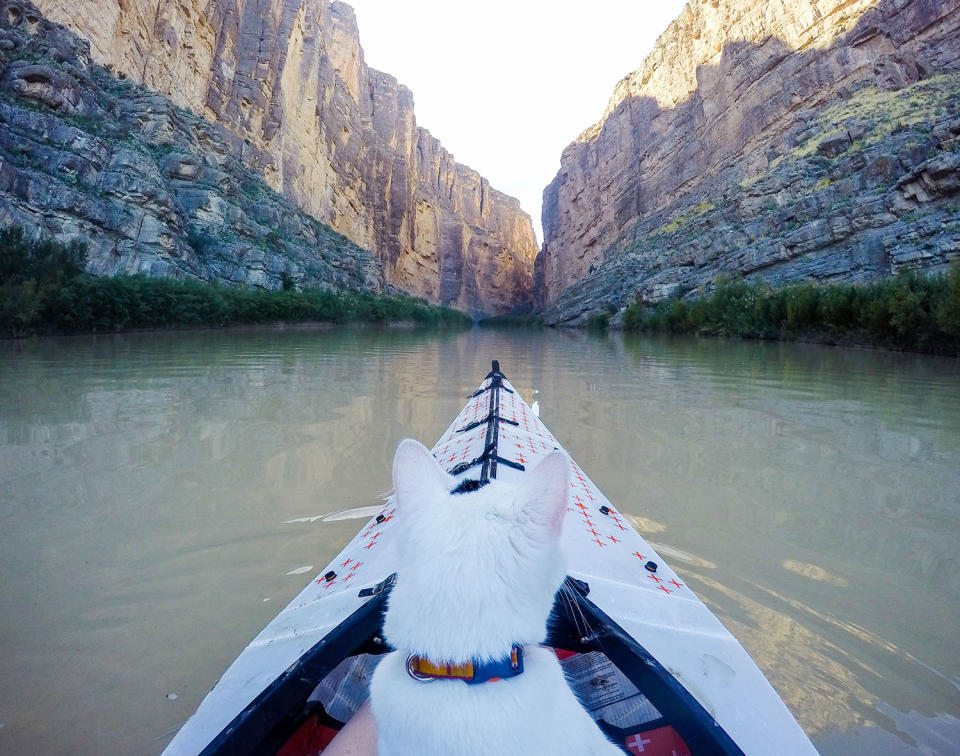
x=657 y=671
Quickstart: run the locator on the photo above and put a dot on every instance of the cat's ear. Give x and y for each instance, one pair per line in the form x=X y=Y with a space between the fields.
x=543 y=495
x=417 y=477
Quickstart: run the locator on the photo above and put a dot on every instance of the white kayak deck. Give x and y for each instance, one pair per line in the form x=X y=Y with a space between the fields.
x=657 y=609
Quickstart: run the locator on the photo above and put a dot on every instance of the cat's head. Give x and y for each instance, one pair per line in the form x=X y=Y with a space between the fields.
x=477 y=571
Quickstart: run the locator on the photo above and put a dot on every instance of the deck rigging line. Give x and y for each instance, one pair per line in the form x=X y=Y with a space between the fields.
x=489 y=457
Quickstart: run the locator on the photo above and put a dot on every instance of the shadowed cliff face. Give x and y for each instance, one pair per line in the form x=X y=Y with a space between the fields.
x=720 y=133
x=148 y=187
x=288 y=81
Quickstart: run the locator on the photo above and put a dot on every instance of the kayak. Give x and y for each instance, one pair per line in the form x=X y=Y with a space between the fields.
x=651 y=664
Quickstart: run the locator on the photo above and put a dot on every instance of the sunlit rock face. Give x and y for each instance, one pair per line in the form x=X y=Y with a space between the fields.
x=149 y=188
x=288 y=81
x=749 y=142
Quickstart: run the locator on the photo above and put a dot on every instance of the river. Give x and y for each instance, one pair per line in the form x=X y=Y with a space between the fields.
x=159 y=496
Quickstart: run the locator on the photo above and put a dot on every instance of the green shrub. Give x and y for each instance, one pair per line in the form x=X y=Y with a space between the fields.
x=43 y=261
x=802 y=306
x=909 y=311
x=948 y=313
x=42 y=289
x=31 y=273
x=598 y=321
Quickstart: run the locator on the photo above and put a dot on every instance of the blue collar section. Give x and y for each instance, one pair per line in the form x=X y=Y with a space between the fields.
x=472 y=673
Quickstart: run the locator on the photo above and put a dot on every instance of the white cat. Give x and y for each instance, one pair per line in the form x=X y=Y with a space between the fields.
x=478 y=573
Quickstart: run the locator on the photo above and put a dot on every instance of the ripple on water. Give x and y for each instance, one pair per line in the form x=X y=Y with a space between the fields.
x=159 y=489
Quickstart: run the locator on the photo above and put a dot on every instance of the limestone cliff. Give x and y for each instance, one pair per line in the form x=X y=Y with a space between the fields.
x=148 y=187
x=288 y=82
x=776 y=140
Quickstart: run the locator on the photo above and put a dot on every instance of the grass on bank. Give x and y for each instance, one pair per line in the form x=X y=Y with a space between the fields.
x=43 y=289
x=909 y=311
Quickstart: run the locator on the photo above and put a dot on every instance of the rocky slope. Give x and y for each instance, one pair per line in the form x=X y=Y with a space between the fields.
x=148 y=186
x=287 y=81
x=774 y=140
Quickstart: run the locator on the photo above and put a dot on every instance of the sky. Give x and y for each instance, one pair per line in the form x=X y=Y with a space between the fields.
x=506 y=86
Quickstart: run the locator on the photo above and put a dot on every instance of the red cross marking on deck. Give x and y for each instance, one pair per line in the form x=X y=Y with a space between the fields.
x=598 y=541
x=635 y=743
x=638 y=555
x=344 y=564
x=654 y=577
x=357 y=566
x=522 y=460
x=591 y=530
x=665 y=590
x=328 y=584
x=376 y=535
x=349 y=576
x=372 y=543
x=615 y=540
x=679 y=585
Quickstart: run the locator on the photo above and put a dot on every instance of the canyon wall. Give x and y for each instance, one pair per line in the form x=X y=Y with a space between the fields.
x=771 y=139
x=287 y=82
x=148 y=187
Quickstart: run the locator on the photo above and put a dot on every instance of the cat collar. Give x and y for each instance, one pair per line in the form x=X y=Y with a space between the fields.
x=472 y=673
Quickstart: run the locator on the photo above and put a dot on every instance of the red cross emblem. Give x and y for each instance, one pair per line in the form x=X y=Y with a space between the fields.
x=661 y=741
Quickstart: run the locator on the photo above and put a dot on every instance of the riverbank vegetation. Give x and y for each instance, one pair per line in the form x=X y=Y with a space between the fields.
x=43 y=289
x=910 y=311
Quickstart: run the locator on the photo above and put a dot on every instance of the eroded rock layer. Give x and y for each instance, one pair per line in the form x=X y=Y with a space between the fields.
x=288 y=82
x=149 y=187
x=775 y=140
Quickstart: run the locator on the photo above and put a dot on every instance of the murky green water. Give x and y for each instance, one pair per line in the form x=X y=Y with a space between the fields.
x=810 y=495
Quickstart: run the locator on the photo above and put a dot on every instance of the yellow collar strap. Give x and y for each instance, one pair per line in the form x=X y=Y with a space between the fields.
x=472 y=673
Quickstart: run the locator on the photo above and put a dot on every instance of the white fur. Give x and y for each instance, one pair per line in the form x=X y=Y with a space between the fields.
x=477 y=573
